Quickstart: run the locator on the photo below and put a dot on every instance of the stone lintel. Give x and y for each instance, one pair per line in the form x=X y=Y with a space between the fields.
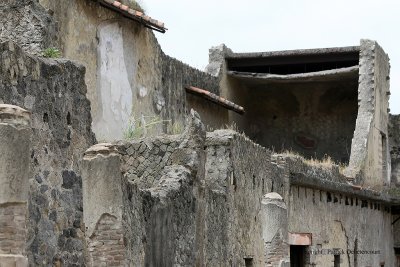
x=300 y=239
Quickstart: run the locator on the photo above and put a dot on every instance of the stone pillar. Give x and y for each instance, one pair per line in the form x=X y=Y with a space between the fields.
x=14 y=184
x=102 y=206
x=274 y=219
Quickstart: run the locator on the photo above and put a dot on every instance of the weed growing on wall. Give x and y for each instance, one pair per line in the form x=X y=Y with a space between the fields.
x=141 y=127
x=146 y=125
x=51 y=52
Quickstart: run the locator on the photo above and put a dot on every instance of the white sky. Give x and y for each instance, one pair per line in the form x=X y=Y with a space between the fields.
x=269 y=25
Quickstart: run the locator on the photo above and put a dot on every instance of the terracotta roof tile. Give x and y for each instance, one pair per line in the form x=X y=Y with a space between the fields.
x=134 y=15
x=124 y=7
x=215 y=98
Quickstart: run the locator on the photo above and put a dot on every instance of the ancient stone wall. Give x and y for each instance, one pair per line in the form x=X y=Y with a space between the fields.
x=128 y=76
x=370 y=148
x=339 y=229
x=28 y=24
x=54 y=91
x=394 y=148
x=180 y=202
x=238 y=174
x=339 y=219
x=314 y=119
x=201 y=200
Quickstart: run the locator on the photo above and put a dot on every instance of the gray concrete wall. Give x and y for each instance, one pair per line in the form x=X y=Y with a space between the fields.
x=54 y=91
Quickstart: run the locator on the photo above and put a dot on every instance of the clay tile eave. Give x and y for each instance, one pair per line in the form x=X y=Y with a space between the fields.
x=133 y=14
x=215 y=98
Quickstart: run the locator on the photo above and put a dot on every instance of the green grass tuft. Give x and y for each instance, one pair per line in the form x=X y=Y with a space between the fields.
x=51 y=52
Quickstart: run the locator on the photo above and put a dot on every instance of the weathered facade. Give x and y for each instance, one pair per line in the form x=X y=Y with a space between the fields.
x=162 y=183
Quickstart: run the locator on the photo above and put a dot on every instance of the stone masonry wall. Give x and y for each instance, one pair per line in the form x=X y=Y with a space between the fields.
x=330 y=218
x=159 y=197
x=238 y=174
x=54 y=91
x=339 y=219
x=28 y=24
x=138 y=82
x=370 y=152
x=394 y=147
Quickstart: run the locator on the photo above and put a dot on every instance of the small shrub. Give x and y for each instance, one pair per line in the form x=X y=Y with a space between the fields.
x=51 y=52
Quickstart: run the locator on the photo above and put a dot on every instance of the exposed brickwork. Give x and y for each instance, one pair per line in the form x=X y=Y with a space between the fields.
x=276 y=251
x=106 y=246
x=13 y=229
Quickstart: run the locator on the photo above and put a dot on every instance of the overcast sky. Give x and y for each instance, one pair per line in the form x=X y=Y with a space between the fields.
x=269 y=25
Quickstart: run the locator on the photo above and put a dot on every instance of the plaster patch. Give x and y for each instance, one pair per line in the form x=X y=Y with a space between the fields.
x=142 y=91
x=114 y=88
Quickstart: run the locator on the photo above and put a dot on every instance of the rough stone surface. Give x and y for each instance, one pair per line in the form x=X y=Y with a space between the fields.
x=330 y=218
x=161 y=212
x=216 y=59
x=123 y=55
x=370 y=157
x=54 y=91
x=338 y=229
x=394 y=148
x=311 y=113
x=197 y=198
x=28 y=24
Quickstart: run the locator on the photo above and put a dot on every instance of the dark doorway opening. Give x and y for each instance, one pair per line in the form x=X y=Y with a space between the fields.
x=336 y=260
x=297 y=256
x=248 y=262
x=397 y=252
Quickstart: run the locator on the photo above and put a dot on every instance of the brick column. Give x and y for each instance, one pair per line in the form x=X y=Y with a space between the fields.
x=274 y=219
x=14 y=184
x=102 y=207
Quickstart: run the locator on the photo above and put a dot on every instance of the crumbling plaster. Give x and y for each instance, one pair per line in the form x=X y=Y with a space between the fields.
x=148 y=83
